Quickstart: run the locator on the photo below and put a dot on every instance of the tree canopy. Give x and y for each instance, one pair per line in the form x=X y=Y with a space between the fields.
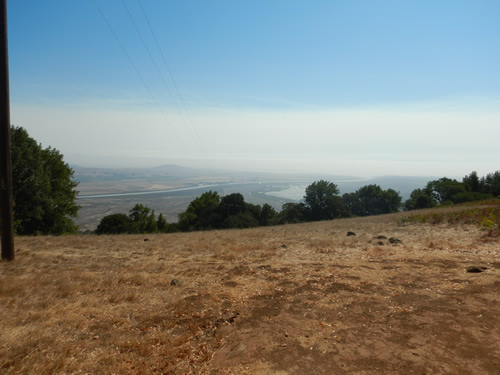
x=43 y=187
x=449 y=191
x=115 y=224
x=202 y=213
x=372 y=200
x=323 y=201
x=490 y=184
x=209 y=211
x=420 y=198
x=141 y=219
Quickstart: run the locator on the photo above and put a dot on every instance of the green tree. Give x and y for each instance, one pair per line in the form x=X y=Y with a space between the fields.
x=115 y=224
x=471 y=182
x=373 y=200
x=420 y=198
x=43 y=187
x=293 y=213
x=232 y=204
x=151 y=223
x=267 y=215
x=444 y=189
x=236 y=213
x=255 y=210
x=393 y=201
x=323 y=201
x=141 y=218
x=187 y=221
x=161 y=224
x=491 y=184
x=202 y=213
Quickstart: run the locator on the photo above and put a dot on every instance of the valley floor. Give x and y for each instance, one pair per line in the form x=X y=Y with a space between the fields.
x=294 y=299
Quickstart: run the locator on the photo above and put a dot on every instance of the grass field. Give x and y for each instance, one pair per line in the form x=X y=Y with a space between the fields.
x=294 y=299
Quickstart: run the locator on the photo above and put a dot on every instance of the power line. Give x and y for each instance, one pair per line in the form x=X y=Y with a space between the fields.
x=138 y=73
x=159 y=72
x=190 y=121
x=147 y=48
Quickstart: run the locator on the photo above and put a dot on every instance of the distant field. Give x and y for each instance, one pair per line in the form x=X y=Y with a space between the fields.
x=294 y=299
x=98 y=181
x=257 y=188
x=172 y=203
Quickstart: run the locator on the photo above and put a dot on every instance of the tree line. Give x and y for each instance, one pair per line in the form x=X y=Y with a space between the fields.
x=45 y=199
x=446 y=191
x=211 y=211
x=322 y=201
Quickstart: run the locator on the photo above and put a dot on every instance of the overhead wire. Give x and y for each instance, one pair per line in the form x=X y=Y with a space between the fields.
x=190 y=120
x=196 y=141
x=140 y=76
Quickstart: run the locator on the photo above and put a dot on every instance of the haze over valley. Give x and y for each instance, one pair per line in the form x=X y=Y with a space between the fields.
x=350 y=88
x=168 y=189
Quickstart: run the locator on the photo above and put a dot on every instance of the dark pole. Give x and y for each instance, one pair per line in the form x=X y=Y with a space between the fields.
x=6 y=200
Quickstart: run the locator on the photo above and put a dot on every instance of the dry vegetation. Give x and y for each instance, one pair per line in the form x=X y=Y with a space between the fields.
x=295 y=299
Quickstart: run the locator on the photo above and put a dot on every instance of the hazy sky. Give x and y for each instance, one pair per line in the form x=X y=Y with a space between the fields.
x=342 y=87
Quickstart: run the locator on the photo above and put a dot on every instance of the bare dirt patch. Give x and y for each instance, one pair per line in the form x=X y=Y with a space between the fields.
x=295 y=299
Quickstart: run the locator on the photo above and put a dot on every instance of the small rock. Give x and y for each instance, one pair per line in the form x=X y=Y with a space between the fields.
x=380 y=243
x=175 y=282
x=231 y=318
x=476 y=269
x=394 y=240
x=146 y=239
x=351 y=233
x=284 y=246
x=381 y=237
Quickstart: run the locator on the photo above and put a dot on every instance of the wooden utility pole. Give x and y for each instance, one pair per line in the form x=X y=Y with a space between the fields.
x=6 y=198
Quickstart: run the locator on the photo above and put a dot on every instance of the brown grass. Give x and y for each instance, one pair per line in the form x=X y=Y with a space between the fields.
x=292 y=299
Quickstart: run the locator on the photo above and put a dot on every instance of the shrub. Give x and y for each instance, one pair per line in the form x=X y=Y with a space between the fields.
x=115 y=224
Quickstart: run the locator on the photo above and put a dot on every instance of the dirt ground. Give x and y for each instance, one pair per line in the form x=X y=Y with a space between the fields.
x=294 y=299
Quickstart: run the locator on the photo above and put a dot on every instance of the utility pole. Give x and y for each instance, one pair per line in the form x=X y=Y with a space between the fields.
x=6 y=197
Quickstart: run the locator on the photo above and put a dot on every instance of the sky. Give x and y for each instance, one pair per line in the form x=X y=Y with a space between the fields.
x=362 y=88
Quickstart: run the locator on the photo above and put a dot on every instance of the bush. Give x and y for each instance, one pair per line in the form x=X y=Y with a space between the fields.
x=115 y=224
x=470 y=197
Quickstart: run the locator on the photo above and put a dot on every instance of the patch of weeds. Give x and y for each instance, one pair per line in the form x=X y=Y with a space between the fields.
x=436 y=218
x=417 y=219
x=487 y=224
x=485 y=217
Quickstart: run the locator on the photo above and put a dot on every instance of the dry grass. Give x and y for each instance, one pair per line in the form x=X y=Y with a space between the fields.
x=292 y=299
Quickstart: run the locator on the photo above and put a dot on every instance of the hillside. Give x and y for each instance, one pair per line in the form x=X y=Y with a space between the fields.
x=294 y=299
